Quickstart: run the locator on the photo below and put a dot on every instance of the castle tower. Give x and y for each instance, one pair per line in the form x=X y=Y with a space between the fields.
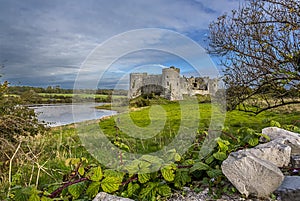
x=171 y=83
x=136 y=84
x=213 y=85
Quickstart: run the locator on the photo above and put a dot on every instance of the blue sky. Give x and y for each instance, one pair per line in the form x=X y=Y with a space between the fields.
x=48 y=42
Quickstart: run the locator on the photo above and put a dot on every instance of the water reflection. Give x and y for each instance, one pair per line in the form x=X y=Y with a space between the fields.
x=62 y=114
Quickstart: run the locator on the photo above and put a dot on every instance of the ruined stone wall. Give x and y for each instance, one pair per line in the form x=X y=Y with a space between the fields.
x=152 y=84
x=136 y=83
x=170 y=84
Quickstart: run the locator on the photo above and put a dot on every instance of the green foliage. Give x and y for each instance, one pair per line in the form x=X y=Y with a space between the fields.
x=16 y=120
x=67 y=162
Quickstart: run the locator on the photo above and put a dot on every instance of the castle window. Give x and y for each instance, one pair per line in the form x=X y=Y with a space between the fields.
x=167 y=83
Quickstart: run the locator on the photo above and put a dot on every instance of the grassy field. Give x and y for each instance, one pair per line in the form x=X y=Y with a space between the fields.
x=49 y=152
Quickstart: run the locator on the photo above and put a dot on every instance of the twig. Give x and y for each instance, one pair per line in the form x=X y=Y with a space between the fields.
x=134 y=178
x=10 y=168
x=60 y=189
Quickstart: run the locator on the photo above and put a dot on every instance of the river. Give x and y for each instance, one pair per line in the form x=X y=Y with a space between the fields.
x=63 y=114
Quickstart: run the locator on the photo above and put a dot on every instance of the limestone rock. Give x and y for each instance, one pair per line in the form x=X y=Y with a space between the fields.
x=277 y=153
x=275 y=133
x=283 y=136
x=102 y=196
x=289 y=189
x=251 y=175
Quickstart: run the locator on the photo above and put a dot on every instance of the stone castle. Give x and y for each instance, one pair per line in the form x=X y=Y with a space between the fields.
x=170 y=84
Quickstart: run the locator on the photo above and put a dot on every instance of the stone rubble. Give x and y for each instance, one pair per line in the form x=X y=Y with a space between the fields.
x=287 y=137
x=255 y=171
x=289 y=189
x=102 y=196
x=251 y=175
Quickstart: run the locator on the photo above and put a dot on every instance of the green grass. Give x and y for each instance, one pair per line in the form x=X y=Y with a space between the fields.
x=52 y=149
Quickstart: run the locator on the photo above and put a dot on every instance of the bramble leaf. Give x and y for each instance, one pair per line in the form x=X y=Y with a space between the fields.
x=168 y=172
x=144 y=177
x=96 y=173
x=199 y=166
x=164 y=190
x=181 y=178
x=110 y=184
x=93 y=189
x=132 y=188
x=76 y=189
x=220 y=156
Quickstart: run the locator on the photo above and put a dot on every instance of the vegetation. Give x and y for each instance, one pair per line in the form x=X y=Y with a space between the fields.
x=259 y=47
x=56 y=165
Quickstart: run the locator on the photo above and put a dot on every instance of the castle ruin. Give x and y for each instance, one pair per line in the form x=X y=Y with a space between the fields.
x=170 y=84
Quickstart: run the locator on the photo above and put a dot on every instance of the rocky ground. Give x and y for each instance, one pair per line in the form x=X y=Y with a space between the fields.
x=204 y=195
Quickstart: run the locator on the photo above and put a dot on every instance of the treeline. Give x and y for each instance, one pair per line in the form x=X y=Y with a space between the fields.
x=18 y=90
x=48 y=95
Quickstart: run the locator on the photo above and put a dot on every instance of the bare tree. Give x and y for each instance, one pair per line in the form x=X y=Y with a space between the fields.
x=259 y=46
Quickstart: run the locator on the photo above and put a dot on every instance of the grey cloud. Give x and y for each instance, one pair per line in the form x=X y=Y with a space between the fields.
x=40 y=40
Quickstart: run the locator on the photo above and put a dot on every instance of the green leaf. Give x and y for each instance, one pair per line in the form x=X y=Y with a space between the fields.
x=199 y=166
x=210 y=159
x=143 y=177
x=96 y=173
x=144 y=166
x=181 y=178
x=149 y=191
x=151 y=159
x=81 y=170
x=168 y=172
x=110 y=184
x=177 y=157
x=133 y=167
x=93 y=189
x=75 y=161
x=253 y=141
x=113 y=173
x=132 y=189
x=164 y=190
x=223 y=144
x=275 y=124
x=214 y=173
x=76 y=189
x=220 y=156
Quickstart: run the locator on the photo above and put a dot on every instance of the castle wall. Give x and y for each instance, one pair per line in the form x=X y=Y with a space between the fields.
x=170 y=84
x=152 y=84
x=136 y=83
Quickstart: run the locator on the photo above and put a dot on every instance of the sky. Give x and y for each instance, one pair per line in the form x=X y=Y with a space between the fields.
x=97 y=43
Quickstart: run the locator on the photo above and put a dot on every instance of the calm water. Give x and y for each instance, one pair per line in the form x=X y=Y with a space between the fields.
x=62 y=114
